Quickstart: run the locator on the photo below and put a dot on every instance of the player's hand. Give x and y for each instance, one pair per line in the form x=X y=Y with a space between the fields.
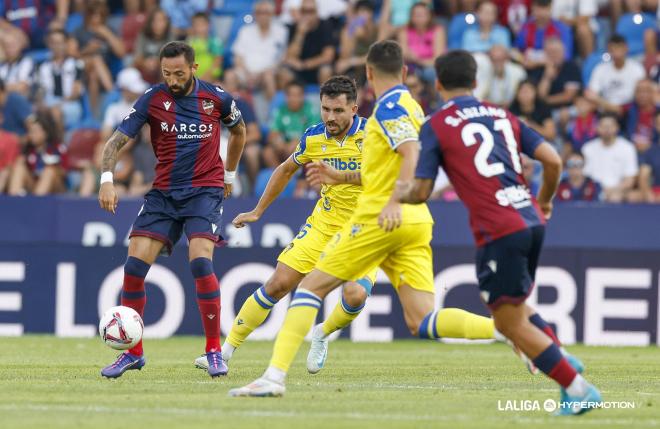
x=108 y=197
x=228 y=188
x=546 y=208
x=319 y=173
x=243 y=218
x=390 y=218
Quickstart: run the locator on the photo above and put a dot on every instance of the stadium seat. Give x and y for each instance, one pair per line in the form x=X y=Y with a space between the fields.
x=38 y=55
x=81 y=146
x=590 y=63
x=457 y=26
x=262 y=180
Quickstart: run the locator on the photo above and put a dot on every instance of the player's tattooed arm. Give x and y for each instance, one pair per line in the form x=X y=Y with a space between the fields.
x=111 y=150
x=352 y=177
x=320 y=173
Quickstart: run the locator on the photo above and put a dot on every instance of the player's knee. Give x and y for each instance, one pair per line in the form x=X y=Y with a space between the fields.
x=354 y=295
x=277 y=288
x=511 y=329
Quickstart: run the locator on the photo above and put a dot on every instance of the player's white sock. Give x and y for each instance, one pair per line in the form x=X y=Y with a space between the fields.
x=227 y=351
x=275 y=374
x=498 y=336
x=578 y=387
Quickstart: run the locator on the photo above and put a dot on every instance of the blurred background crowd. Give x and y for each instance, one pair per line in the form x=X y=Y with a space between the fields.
x=583 y=73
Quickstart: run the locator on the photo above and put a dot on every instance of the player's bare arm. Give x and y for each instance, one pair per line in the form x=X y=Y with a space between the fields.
x=237 y=137
x=390 y=218
x=419 y=192
x=552 y=165
x=276 y=184
x=107 y=195
x=321 y=173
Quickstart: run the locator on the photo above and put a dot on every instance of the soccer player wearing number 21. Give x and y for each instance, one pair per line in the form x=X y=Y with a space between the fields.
x=185 y=115
x=479 y=147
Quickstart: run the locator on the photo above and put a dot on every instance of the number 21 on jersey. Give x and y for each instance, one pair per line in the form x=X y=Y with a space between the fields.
x=469 y=136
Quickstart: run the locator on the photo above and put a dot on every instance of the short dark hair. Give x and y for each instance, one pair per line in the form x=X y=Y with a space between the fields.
x=57 y=31
x=293 y=83
x=365 y=4
x=542 y=3
x=456 y=69
x=610 y=115
x=386 y=57
x=617 y=39
x=174 y=49
x=338 y=85
x=201 y=15
x=2 y=85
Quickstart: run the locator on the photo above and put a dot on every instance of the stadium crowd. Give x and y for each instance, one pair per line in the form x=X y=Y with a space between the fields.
x=583 y=73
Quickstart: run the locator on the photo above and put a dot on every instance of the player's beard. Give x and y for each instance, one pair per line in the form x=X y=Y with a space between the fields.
x=339 y=131
x=181 y=91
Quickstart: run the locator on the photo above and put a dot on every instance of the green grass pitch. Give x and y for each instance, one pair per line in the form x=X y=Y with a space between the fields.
x=47 y=382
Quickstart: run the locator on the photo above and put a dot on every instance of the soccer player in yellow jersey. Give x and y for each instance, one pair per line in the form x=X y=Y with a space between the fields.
x=380 y=232
x=337 y=141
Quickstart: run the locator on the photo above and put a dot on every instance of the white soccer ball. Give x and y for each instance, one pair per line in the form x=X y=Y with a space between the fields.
x=121 y=327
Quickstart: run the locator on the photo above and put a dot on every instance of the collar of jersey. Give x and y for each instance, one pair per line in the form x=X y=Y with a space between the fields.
x=394 y=89
x=461 y=98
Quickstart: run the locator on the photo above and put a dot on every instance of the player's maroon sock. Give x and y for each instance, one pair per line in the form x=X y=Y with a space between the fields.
x=538 y=321
x=555 y=366
x=208 y=300
x=132 y=291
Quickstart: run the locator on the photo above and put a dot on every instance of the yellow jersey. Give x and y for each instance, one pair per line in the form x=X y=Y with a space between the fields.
x=396 y=119
x=337 y=202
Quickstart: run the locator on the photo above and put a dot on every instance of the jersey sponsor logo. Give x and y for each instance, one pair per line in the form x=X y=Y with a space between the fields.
x=167 y=105
x=208 y=106
x=474 y=112
x=339 y=164
x=517 y=196
x=200 y=131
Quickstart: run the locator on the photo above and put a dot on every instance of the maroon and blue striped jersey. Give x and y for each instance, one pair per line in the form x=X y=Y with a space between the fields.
x=479 y=147
x=185 y=133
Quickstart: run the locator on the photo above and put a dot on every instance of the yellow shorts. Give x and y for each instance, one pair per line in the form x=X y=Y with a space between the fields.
x=303 y=253
x=404 y=254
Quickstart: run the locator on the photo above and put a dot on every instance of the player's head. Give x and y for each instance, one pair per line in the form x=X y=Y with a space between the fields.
x=456 y=71
x=338 y=104
x=385 y=61
x=177 y=64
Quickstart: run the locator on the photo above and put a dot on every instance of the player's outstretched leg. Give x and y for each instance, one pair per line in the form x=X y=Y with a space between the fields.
x=353 y=298
x=256 y=309
x=299 y=320
x=133 y=296
x=576 y=393
x=538 y=321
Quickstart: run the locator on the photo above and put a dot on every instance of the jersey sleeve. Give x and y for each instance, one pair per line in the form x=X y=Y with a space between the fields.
x=396 y=124
x=137 y=117
x=430 y=157
x=300 y=155
x=230 y=114
x=529 y=139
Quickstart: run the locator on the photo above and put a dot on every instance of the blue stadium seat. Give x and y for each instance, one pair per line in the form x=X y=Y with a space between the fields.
x=262 y=180
x=278 y=99
x=457 y=26
x=109 y=98
x=590 y=63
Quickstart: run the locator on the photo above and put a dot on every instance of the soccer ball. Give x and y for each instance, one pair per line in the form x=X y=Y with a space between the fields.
x=121 y=327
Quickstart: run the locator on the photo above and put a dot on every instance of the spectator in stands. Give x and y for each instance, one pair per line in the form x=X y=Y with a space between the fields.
x=33 y=17
x=513 y=13
x=649 y=171
x=488 y=33
x=611 y=160
x=638 y=28
x=15 y=69
x=422 y=41
x=144 y=165
x=534 y=111
x=311 y=48
x=60 y=80
x=560 y=79
x=132 y=86
x=576 y=186
x=419 y=92
x=15 y=111
x=98 y=47
x=91 y=175
x=394 y=15
x=327 y=9
x=156 y=33
x=40 y=169
x=498 y=77
x=532 y=174
x=356 y=37
x=208 y=48
x=288 y=124
x=536 y=30
x=580 y=16
x=181 y=12
x=10 y=148
x=259 y=48
x=582 y=125
x=252 y=151
x=612 y=83
x=639 y=116
x=132 y=23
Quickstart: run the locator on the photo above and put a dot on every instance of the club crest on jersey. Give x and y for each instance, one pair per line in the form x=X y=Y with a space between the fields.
x=324 y=147
x=359 y=143
x=355 y=229
x=208 y=106
x=167 y=104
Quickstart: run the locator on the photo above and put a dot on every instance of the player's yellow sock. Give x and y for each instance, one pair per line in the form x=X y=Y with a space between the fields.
x=342 y=316
x=456 y=323
x=254 y=311
x=299 y=319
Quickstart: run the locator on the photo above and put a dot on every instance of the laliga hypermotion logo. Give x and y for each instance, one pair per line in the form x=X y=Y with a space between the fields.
x=123 y=337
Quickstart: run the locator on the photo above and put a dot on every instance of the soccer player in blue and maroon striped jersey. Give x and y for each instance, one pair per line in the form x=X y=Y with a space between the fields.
x=479 y=145
x=185 y=115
